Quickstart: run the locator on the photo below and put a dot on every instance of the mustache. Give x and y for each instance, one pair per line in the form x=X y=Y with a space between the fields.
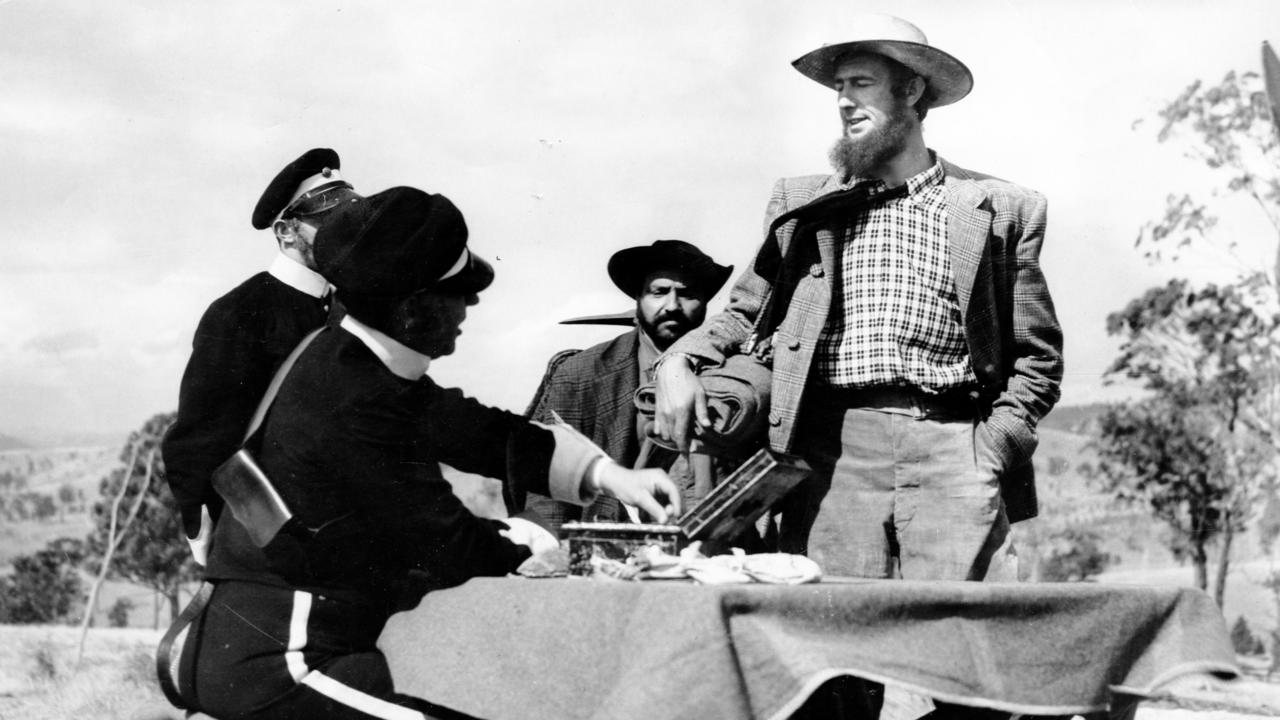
x=674 y=315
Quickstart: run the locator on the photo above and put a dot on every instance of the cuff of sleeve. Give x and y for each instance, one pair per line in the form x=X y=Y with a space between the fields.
x=573 y=458
x=200 y=543
x=695 y=362
x=1014 y=441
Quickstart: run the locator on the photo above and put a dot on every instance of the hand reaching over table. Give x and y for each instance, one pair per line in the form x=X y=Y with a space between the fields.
x=649 y=489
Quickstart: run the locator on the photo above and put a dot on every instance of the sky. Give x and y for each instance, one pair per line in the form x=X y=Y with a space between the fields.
x=136 y=138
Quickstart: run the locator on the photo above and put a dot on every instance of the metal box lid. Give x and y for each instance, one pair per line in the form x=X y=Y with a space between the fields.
x=730 y=508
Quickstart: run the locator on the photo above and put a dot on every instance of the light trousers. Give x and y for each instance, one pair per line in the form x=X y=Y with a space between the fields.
x=898 y=492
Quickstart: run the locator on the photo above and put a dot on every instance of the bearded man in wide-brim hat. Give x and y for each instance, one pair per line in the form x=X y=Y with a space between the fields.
x=913 y=341
x=593 y=389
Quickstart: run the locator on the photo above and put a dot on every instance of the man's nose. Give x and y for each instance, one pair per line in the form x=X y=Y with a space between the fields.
x=844 y=102
x=671 y=302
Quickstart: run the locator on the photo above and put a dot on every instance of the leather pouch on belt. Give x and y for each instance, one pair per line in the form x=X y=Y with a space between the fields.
x=250 y=496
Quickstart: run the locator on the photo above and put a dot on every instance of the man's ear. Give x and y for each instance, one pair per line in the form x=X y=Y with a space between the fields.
x=285 y=233
x=915 y=90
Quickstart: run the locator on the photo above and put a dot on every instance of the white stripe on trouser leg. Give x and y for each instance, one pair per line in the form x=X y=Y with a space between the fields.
x=298 y=635
x=361 y=701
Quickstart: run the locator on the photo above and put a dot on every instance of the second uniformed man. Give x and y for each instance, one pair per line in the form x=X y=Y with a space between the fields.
x=245 y=335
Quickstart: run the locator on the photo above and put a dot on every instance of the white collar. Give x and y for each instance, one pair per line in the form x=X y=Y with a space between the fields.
x=298 y=276
x=400 y=359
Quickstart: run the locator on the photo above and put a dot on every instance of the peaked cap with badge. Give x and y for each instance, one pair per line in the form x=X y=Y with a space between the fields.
x=946 y=77
x=305 y=188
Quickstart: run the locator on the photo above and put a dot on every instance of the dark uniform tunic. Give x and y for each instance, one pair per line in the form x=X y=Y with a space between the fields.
x=354 y=450
x=240 y=341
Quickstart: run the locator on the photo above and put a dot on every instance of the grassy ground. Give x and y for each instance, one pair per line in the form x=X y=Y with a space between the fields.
x=40 y=680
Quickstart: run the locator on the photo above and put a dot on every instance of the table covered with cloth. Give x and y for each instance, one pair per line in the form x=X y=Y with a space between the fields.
x=519 y=648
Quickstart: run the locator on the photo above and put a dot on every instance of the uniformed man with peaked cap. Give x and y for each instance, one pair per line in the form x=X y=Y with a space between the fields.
x=353 y=444
x=245 y=335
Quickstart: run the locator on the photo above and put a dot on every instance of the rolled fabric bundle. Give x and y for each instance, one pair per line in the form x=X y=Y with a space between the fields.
x=781 y=568
x=737 y=402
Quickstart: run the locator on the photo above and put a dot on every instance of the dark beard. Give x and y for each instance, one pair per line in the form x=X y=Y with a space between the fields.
x=660 y=341
x=861 y=158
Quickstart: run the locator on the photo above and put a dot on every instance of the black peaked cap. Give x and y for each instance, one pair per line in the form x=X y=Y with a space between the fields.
x=282 y=187
x=397 y=242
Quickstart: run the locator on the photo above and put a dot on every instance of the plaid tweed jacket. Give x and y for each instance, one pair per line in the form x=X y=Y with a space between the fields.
x=994 y=233
x=593 y=390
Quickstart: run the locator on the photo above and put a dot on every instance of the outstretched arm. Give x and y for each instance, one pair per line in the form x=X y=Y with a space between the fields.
x=680 y=400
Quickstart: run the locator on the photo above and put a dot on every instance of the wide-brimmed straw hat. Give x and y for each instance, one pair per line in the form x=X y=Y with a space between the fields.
x=947 y=78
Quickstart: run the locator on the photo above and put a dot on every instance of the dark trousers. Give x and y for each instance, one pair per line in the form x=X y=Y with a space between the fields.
x=263 y=652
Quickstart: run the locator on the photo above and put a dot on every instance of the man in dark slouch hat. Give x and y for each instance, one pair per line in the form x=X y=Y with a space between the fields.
x=593 y=389
x=245 y=335
x=353 y=445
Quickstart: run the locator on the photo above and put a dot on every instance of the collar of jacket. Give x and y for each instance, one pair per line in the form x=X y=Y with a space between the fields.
x=961 y=185
x=968 y=223
x=298 y=276
x=401 y=360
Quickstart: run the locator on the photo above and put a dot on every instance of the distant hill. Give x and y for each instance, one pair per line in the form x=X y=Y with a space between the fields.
x=9 y=442
x=56 y=474
x=1078 y=419
x=37 y=438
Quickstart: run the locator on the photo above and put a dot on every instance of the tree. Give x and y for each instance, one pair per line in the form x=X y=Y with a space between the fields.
x=1202 y=448
x=66 y=498
x=1161 y=453
x=153 y=552
x=1196 y=451
x=43 y=506
x=11 y=482
x=1229 y=129
x=43 y=585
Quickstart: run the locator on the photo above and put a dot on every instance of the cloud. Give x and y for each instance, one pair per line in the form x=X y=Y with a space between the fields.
x=139 y=135
x=63 y=343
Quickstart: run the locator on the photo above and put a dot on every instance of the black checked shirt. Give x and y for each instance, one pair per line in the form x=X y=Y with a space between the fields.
x=895 y=318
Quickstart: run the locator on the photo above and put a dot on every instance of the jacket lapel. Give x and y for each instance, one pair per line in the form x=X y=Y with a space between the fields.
x=617 y=413
x=968 y=226
x=826 y=238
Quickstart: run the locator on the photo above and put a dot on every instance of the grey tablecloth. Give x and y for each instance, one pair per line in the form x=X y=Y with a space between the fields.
x=514 y=648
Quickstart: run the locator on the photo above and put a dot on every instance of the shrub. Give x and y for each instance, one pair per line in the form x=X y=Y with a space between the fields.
x=43 y=665
x=1243 y=639
x=1074 y=555
x=118 y=615
x=140 y=670
x=43 y=585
